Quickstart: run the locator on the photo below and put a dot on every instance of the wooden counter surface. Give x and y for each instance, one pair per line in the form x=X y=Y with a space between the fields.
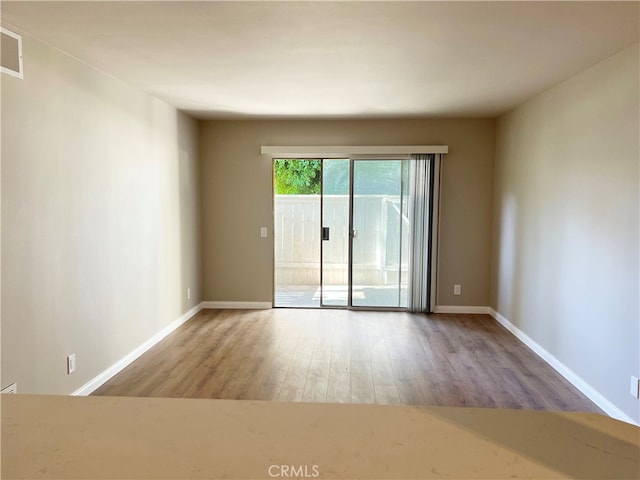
x=161 y=438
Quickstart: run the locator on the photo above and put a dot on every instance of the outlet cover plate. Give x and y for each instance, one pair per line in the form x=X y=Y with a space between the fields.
x=13 y=388
x=71 y=364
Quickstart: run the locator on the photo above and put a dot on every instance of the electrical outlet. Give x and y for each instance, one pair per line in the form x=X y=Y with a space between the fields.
x=263 y=232
x=635 y=387
x=13 y=388
x=188 y=294
x=71 y=364
x=457 y=289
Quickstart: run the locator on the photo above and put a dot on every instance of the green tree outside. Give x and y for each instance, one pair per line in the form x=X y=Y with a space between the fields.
x=294 y=176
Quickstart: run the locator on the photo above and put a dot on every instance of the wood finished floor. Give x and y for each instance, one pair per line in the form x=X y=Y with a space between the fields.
x=347 y=357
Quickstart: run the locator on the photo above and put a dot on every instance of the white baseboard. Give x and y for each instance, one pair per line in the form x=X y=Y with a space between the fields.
x=237 y=305
x=461 y=309
x=114 y=369
x=590 y=392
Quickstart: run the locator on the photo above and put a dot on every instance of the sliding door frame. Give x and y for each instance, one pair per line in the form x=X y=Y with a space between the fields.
x=350 y=285
x=350 y=227
x=353 y=159
x=434 y=217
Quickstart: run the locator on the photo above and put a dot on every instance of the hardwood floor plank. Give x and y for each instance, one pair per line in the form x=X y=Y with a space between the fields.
x=296 y=377
x=347 y=356
x=362 y=390
x=381 y=363
x=315 y=389
x=317 y=381
x=339 y=385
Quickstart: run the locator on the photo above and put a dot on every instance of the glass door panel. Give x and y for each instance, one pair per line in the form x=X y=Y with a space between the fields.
x=335 y=232
x=297 y=232
x=380 y=228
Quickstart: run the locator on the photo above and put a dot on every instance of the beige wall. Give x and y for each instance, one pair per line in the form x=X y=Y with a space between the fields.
x=565 y=263
x=99 y=220
x=237 y=198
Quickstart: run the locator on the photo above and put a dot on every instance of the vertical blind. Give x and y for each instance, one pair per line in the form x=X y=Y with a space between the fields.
x=421 y=213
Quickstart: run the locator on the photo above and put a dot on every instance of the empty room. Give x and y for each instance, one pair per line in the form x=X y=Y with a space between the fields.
x=320 y=239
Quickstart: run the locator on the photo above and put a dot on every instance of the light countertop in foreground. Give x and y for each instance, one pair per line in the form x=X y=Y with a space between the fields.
x=161 y=438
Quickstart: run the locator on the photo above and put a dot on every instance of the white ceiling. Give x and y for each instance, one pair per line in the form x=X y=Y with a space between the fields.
x=335 y=59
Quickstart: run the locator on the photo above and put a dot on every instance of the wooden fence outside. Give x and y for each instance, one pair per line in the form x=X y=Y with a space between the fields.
x=376 y=249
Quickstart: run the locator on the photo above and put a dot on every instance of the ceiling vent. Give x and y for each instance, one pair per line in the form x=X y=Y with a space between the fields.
x=11 y=53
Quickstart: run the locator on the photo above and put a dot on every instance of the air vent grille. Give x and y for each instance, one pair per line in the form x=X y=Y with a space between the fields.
x=11 y=53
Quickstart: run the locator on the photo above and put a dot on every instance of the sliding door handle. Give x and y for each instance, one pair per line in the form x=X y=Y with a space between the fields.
x=325 y=233
x=354 y=233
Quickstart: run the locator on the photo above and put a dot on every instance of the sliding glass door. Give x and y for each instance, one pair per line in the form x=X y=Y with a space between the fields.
x=381 y=229
x=296 y=232
x=342 y=233
x=335 y=232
